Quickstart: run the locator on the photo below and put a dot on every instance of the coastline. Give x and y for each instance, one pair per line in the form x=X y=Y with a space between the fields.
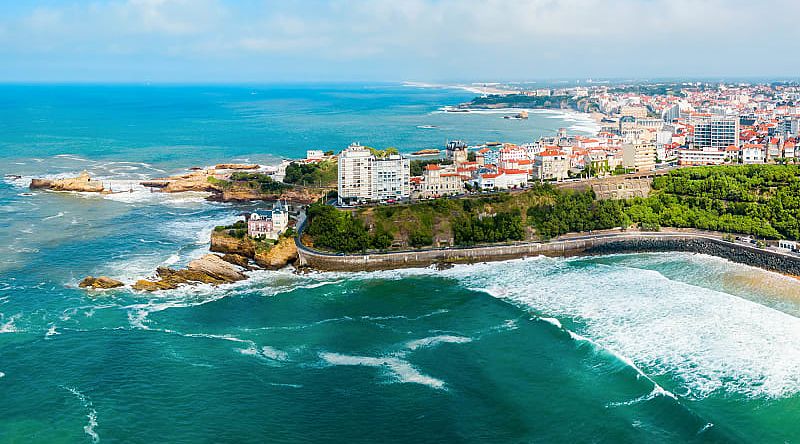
x=587 y=245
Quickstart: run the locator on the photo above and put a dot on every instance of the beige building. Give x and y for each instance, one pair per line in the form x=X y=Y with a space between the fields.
x=551 y=165
x=439 y=181
x=640 y=156
x=639 y=112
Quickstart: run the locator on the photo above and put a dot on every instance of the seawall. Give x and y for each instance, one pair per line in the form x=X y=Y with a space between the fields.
x=608 y=243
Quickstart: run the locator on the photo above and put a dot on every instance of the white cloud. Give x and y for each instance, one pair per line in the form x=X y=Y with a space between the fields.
x=515 y=38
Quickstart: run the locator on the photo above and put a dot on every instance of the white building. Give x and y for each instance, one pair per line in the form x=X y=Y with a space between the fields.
x=752 y=153
x=501 y=179
x=716 y=132
x=705 y=156
x=315 y=155
x=363 y=177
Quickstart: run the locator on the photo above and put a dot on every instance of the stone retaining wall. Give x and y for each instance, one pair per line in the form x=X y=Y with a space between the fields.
x=588 y=245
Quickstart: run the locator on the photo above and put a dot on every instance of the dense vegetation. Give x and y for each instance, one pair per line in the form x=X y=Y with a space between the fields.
x=418 y=166
x=761 y=200
x=541 y=102
x=312 y=174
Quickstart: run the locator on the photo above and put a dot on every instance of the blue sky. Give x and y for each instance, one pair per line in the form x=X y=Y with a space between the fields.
x=382 y=40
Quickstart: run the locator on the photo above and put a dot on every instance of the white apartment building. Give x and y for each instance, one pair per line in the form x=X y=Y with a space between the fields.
x=363 y=177
x=705 y=156
x=716 y=132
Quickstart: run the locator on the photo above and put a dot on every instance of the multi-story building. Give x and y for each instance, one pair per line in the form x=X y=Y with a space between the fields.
x=390 y=178
x=457 y=151
x=355 y=174
x=268 y=224
x=551 y=165
x=705 y=156
x=752 y=153
x=639 y=112
x=639 y=156
x=439 y=181
x=363 y=177
x=715 y=132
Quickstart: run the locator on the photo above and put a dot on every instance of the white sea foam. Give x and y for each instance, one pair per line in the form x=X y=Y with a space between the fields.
x=553 y=321
x=91 y=414
x=59 y=214
x=2 y=375
x=436 y=340
x=51 y=331
x=265 y=352
x=398 y=369
x=703 y=340
x=8 y=326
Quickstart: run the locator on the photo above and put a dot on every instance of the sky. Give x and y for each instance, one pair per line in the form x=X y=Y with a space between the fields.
x=394 y=40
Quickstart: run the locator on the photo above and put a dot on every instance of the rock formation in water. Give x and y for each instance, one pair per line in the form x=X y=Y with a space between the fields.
x=236 y=166
x=283 y=253
x=194 y=181
x=209 y=269
x=82 y=183
x=100 y=283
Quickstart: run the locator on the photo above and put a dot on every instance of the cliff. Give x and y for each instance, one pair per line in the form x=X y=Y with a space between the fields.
x=82 y=183
x=279 y=255
x=222 y=242
x=273 y=257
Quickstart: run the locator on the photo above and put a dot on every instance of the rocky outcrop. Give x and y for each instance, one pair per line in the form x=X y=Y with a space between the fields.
x=213 y=266
x=283 y=253
x=279 y=255
x=238 y=260
x=82 y=183
x=222 y=242
x=209 y=269
x=244 y=194
x=194 y=181
x=236 y=166
x=100 y=283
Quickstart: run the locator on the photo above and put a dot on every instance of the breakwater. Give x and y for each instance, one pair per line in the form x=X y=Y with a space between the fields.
x=599 y=244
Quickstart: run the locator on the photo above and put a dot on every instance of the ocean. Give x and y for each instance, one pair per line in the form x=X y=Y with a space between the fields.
x=625 y=348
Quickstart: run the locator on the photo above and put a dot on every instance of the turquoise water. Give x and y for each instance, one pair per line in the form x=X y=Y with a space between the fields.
x=628 y=348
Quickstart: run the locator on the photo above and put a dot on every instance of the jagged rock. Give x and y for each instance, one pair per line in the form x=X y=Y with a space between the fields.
x=209 y=269
x=102 y=282
x=82 y=183
x=279 y=255
x=236 y=259
x=215 y=267
x=194 y=181
x=236 y=166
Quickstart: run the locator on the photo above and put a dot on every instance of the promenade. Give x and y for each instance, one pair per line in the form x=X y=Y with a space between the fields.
x=693 y=241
